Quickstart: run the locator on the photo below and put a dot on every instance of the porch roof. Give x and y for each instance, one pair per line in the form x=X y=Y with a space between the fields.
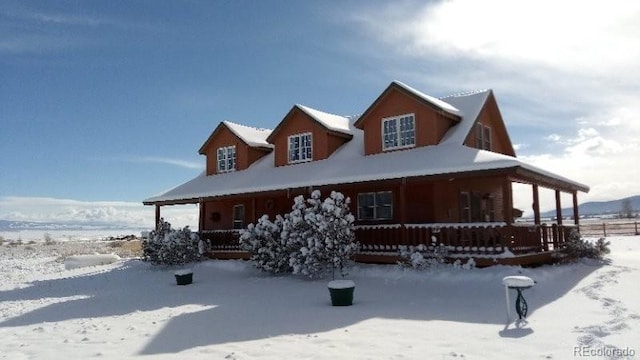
x=348 y=164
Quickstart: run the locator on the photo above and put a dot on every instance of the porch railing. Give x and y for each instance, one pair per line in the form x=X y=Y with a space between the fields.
x=489 y=239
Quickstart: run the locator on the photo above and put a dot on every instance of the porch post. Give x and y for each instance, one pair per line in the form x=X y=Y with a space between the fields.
x=507 y=202
x=576 y=213
x=202 y=213
x=157 y=217
x=403 y=210
x=536 y=204
x=558 y=208
x=253 y=210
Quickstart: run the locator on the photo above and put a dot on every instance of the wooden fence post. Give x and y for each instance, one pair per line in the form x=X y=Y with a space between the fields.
x=604 y=229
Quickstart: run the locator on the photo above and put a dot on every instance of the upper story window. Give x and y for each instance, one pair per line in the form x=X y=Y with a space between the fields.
x=227 y=158
x=375 y=205
x=398 y=132
x=483 y=137
x=300 y=148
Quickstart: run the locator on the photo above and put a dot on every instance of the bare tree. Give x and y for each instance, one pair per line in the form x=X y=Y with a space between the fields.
x=626 y=210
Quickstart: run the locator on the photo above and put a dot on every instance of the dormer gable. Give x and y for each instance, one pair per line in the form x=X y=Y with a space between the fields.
x=482 y=126
x=403 y=117
x=233 y=147
x=307 y=134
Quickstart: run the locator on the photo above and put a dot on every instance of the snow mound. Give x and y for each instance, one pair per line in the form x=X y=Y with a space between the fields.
x=80 y=261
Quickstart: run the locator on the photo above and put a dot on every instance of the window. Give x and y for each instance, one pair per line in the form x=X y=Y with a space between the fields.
x=300 y=148
x=375 y=205
x=227 y=158
x=398 y=132
x=238 y=216
x=476 y=207
x=483 y=137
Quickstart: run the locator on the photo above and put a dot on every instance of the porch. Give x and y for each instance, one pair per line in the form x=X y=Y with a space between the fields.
x=487 y=243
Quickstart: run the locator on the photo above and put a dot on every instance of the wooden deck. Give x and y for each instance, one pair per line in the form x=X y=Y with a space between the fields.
x=488 y=244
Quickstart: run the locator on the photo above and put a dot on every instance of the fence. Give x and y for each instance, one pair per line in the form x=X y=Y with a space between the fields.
x=617 y=228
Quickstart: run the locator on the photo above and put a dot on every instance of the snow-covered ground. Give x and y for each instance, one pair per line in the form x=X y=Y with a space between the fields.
x=130 y=309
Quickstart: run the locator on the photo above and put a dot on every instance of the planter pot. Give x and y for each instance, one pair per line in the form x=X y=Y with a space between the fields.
x=184 y=277
x=341 y=292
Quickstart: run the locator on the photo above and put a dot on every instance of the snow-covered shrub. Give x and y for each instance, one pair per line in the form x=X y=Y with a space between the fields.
x=576 y=247
x=469 y=265
x=323 y=234
x=315 y=238
x=422 y=256
x=268 y=248
x=166 y=246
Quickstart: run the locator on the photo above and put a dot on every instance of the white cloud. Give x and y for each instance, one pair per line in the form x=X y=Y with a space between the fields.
x=116 y=213
x=566 y=69
x=169 y=161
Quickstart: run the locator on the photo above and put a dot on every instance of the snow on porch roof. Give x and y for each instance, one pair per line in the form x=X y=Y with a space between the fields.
x=349 y=165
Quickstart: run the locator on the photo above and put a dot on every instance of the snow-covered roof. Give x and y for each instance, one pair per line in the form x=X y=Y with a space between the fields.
x=254 y=137
x=348 y=164
x=469 y=105
x=330 y=121
x=435 y=101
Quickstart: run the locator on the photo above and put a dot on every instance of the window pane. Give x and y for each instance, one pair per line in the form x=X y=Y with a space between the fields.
x=479 y=142
x=407 y=132
x=465 y=207
x=384 y=212
x=365 y=206
x=384 y=198
x=238 y=216
x=222 y=159
x=390 y=133
x=476 y=207
x=487 y=138
x=384 y=205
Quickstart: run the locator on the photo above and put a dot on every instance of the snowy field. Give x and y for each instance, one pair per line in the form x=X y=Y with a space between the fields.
x=129 y=309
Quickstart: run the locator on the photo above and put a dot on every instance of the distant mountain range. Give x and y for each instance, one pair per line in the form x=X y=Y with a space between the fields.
x=591 y=208
x=10 y=225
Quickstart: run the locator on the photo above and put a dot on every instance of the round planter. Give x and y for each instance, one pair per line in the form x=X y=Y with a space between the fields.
x=341 y=292
x=184 y=277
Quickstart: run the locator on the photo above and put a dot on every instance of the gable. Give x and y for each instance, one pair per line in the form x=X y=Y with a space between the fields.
x=325 y=137
x=223 y=137
x=432 y=120
x=490 y=117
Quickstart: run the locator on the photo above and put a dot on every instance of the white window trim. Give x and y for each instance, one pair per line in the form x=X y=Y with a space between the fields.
x=299 y=149
x=225 y=150
x=398 y=117
x=375 y=206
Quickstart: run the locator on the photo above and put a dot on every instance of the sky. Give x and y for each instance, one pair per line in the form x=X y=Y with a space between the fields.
x=106 y=103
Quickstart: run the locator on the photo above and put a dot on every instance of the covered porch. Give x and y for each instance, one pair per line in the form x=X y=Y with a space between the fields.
x=498 y=239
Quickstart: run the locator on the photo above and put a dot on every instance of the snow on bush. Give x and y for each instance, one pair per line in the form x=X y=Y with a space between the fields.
x=314 y=239
x=576 y=247
x=268 y=248
x=166 y=246
x=325 y=231
x=421 y=257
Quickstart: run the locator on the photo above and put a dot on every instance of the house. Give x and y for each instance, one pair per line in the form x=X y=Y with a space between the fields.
x=416 y=168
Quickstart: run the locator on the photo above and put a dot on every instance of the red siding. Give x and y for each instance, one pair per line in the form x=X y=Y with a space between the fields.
x=490 y=116
x=298 y=122
x=245 y=155
x=425 y=201
x=431 y=125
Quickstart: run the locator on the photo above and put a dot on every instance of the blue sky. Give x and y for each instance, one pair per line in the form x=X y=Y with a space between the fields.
x=105 y=103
